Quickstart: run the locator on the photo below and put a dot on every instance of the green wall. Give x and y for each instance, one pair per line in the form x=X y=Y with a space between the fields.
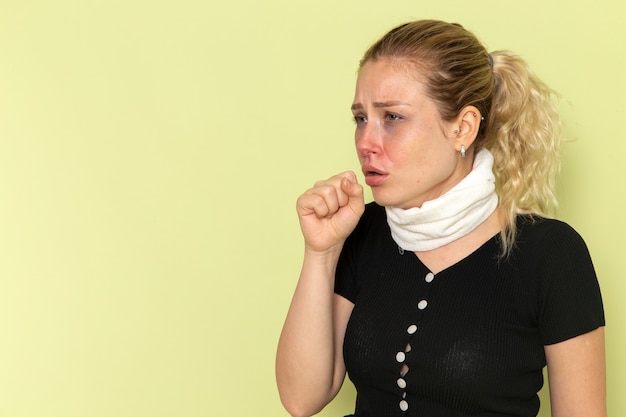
x=150 y=156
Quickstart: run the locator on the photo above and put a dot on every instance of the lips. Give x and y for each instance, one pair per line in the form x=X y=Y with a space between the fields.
x=373 y=176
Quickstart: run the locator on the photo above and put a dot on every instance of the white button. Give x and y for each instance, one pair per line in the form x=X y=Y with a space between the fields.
x=430 y=277
x=404 y=405
x=400 y=356
x=401 y=383
x=412 y=329
x=422 y=304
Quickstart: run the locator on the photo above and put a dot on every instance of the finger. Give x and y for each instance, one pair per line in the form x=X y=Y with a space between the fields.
x=325 y=199
x=332 y=196
x=350 y=175
x=343 y=183
x=309 y=204
x=351 y=188
x=356 y=198
x=332 y=193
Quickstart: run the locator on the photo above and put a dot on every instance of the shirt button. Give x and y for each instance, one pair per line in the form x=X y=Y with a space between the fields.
x=429 y=277
x=400 y=356
x=401 y=383
x=411 y=329
x=422 y=304
x=404 y=405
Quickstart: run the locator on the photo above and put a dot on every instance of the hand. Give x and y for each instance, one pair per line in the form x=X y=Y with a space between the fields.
x=330 y=211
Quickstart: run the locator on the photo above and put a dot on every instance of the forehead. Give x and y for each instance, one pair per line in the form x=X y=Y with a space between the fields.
x=389 y=77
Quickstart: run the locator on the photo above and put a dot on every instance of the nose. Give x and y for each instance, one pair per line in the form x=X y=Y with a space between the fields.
x=367 y=139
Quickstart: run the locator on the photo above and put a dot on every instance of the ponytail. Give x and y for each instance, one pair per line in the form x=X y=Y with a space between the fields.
x=523 y=133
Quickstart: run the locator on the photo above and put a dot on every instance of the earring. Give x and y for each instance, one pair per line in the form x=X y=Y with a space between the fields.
x=462 y=151
x=456 y=131
x=475 y=115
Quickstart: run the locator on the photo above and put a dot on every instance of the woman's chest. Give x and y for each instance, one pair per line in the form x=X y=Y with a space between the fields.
x=463 y=327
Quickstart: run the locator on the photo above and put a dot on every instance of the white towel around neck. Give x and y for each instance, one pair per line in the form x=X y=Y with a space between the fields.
x=450 y=216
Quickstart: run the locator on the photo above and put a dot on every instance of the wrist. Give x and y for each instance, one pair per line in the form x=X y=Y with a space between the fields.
x=327 y=254
x=323 y=261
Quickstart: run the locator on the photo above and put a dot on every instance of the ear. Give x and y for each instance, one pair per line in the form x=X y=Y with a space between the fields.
x=468 y=122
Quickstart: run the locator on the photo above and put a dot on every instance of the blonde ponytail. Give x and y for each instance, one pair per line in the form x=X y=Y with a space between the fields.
x=523 y=133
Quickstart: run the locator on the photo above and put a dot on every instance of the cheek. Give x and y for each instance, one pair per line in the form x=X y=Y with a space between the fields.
x=421 y=162
x=412 y=154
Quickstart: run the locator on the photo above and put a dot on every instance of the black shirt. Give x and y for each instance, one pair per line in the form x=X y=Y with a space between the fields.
x=468 y=341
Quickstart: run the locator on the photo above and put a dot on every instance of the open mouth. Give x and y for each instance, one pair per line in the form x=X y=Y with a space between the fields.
x=373 y=177
x=372 y=173
x=369 y=170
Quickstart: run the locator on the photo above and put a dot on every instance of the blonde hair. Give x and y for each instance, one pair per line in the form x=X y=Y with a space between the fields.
x=522 y=124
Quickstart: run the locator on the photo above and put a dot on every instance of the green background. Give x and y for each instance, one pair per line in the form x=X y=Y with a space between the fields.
x=151 y=153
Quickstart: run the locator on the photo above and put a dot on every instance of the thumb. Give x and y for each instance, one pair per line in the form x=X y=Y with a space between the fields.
x=354 y=191
x=351 y=187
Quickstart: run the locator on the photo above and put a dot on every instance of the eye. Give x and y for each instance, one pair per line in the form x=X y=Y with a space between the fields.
x=393 y=117
x=360 y=119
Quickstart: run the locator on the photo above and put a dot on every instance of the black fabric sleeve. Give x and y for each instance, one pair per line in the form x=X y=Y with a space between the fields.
x=571 y=302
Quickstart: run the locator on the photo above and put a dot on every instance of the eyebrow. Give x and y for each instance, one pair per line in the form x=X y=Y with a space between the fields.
x=359 y=106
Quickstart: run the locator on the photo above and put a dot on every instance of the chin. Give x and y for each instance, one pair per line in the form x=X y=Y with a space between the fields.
x=383 y=200
x=388 y=201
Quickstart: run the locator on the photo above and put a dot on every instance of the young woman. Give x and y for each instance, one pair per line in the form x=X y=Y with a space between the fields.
x=449 y=294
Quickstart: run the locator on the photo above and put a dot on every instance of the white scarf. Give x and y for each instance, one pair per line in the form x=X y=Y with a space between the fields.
x=451 y=216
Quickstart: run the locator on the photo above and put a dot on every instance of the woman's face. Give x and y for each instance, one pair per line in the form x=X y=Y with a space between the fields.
x=408 y=154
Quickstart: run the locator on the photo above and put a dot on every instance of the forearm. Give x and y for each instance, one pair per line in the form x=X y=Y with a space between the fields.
x=306 y=358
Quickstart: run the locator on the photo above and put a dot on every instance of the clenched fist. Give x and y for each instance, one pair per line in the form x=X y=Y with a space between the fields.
x=330 y=211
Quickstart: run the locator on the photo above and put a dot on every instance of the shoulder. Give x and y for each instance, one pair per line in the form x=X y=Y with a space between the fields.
x=540 y=224
x=570 y=301
x=554 y=252
x=549 y=234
